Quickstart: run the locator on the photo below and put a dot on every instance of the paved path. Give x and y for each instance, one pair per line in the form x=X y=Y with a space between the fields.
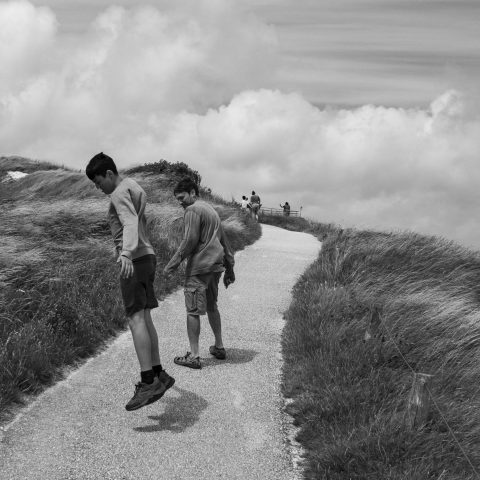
x=221 y=422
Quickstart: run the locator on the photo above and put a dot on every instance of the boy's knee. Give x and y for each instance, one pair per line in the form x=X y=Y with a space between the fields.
x=136 y=318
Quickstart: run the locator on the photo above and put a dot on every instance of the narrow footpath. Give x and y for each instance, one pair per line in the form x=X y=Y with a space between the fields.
x=221 y=422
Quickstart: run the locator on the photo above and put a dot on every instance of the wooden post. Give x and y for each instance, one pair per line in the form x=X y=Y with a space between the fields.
x=373 y=336
x=418 y=402
x=373 y=327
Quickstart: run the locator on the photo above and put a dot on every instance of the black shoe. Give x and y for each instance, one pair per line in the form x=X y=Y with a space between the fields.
x=167 y=381
x=145 y=393
x=219 y=353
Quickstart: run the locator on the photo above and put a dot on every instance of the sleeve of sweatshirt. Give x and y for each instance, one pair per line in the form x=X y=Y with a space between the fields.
x=191 y=237
x=228 y=259
x=128 y=217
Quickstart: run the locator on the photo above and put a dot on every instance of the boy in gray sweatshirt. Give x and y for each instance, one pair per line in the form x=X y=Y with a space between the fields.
x=206 y=247
x=137 y=262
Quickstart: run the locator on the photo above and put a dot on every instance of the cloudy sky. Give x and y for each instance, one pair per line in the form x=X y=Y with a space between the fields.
x=363 y=112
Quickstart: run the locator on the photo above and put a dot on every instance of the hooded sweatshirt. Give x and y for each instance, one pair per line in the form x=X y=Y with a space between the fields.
x=127 y=220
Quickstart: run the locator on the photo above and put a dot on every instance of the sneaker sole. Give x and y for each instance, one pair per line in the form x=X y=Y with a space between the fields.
x=136 y=407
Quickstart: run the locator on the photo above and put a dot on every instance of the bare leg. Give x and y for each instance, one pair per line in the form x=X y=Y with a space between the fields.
x=153 y=338
x=216 y=324
x=141 y=340
x=193 y=330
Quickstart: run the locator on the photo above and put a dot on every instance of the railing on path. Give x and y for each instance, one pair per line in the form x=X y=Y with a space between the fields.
x=279 y=211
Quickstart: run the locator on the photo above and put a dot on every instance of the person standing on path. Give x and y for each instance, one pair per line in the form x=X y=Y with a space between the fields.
x=244 y=204
x=208 y=254
x=128 y=224
x=255 y=205
x=286 y=209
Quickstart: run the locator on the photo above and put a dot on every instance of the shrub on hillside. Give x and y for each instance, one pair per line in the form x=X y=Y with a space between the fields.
x=176 y=170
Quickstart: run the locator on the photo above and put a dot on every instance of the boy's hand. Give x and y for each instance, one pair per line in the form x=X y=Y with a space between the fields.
x=228 y=278
x=126 y=270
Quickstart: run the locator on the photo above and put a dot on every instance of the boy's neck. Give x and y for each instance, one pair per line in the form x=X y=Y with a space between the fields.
x=117 y=181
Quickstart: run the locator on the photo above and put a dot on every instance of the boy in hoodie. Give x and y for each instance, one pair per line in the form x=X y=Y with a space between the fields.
x=137 y=262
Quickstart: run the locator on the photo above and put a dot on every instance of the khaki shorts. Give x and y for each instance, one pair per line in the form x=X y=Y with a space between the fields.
x=201 y=293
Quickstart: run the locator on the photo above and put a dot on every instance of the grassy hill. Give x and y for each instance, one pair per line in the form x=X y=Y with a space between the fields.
x=349 y=395
x=59 y=293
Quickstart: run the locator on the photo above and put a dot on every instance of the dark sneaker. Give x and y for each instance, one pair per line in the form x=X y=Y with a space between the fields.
x=219 y=353
x=167 y=381
x=145 y=394
x=188 y=361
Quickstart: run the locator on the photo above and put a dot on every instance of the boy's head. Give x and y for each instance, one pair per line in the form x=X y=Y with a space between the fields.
x=102 y=171
x=185 y=192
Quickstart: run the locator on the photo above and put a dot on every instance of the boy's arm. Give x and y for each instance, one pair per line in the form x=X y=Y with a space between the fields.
x=191 y=237
x=228 y=260
x=129 y=219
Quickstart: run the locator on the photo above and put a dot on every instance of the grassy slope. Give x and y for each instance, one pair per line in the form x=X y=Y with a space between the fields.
x=59 y=294
x=349 y=396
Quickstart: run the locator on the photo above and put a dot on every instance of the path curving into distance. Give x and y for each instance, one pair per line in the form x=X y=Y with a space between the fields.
x=221 y=422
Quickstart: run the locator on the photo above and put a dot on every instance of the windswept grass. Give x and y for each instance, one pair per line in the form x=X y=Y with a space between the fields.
x=349 y=396
x=301 y=224
x=59 y=294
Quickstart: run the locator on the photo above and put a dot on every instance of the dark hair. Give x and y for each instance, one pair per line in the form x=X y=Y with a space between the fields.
x=253 y=192
x=185 y=185
x=99 y=164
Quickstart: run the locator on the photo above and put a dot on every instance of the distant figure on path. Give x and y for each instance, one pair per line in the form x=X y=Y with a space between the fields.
x=208 y=254
x=244 y=203
x=255 y=204
x=137 y=261
x=286 y=209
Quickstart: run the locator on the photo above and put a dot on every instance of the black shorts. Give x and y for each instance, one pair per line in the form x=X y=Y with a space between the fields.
x=201 y=293
x=137 y=291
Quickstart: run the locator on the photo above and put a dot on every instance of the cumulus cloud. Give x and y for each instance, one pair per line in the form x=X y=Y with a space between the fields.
x=26 y=36
x=372 y=166
x=193 y=81
x=127 y=75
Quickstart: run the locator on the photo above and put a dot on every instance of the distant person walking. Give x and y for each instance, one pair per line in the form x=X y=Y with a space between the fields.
x=137 y=261
x=244 y=203
x=286 y=209
x=255 y=205
x=208 y=254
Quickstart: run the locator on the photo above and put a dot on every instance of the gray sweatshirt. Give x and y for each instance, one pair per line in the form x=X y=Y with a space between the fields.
x=127 y=220
x=204 y=242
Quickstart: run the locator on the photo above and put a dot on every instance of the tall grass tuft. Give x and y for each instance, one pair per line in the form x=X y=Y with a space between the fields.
x=349 y=396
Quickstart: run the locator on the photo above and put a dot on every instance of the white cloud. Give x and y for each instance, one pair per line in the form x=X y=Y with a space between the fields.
x=26 y=35
x=127 y=76
x=193 y=82
x=372 y=166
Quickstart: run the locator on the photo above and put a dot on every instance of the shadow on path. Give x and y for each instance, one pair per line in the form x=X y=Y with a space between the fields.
x=234 y=355
x=181 y=412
